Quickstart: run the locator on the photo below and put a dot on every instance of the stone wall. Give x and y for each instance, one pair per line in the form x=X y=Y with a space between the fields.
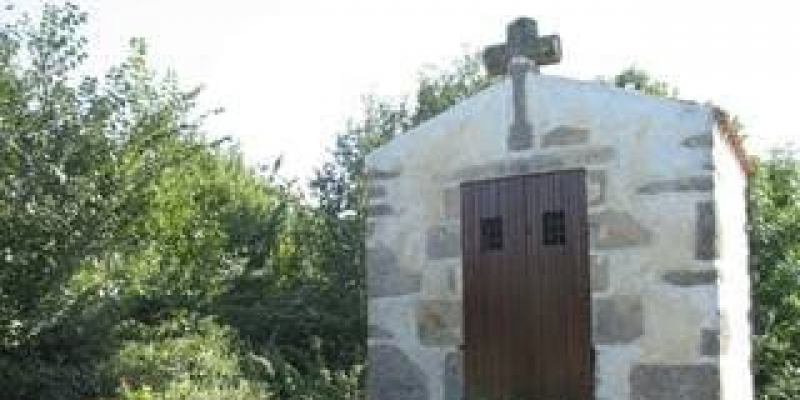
x=655 y=262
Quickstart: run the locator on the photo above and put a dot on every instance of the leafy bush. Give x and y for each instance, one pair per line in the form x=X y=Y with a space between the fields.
x=181 y=347
x=191 y=390
x=775 y=247
x=315 y=380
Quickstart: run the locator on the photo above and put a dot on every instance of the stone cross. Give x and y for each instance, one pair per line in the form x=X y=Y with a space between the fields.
x=522 y=40
x=523 y=51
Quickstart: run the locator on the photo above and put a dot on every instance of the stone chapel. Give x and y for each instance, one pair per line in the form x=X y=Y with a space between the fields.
x=554 y=239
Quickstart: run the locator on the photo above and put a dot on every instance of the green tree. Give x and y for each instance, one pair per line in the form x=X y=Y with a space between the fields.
x=774 y=230
x=110 y=226
x=79 y=159
x=137 y=259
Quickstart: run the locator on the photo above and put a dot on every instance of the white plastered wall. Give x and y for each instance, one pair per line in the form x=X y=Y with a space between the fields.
x=733 y=265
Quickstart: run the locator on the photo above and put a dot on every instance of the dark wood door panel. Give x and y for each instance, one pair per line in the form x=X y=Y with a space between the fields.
x=526 y=304
x=494 y=244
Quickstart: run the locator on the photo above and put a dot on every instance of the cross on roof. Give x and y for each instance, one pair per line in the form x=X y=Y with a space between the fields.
x=522 y=40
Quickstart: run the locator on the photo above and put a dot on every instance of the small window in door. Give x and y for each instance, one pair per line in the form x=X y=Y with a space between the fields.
x=554 y=229
x=491 y=234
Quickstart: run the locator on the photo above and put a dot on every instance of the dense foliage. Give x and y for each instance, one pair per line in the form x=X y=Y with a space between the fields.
x=775 y=247
x=140 y=260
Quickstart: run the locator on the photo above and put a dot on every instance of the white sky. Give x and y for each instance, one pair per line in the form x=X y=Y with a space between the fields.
x=291 y=72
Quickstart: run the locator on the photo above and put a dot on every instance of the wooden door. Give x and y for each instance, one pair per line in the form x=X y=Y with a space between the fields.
x=526 y=288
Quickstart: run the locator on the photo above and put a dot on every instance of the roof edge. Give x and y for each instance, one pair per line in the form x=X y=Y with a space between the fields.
x=729 y=129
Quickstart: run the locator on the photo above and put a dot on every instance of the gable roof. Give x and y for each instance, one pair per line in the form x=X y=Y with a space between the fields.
x=491 y=109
